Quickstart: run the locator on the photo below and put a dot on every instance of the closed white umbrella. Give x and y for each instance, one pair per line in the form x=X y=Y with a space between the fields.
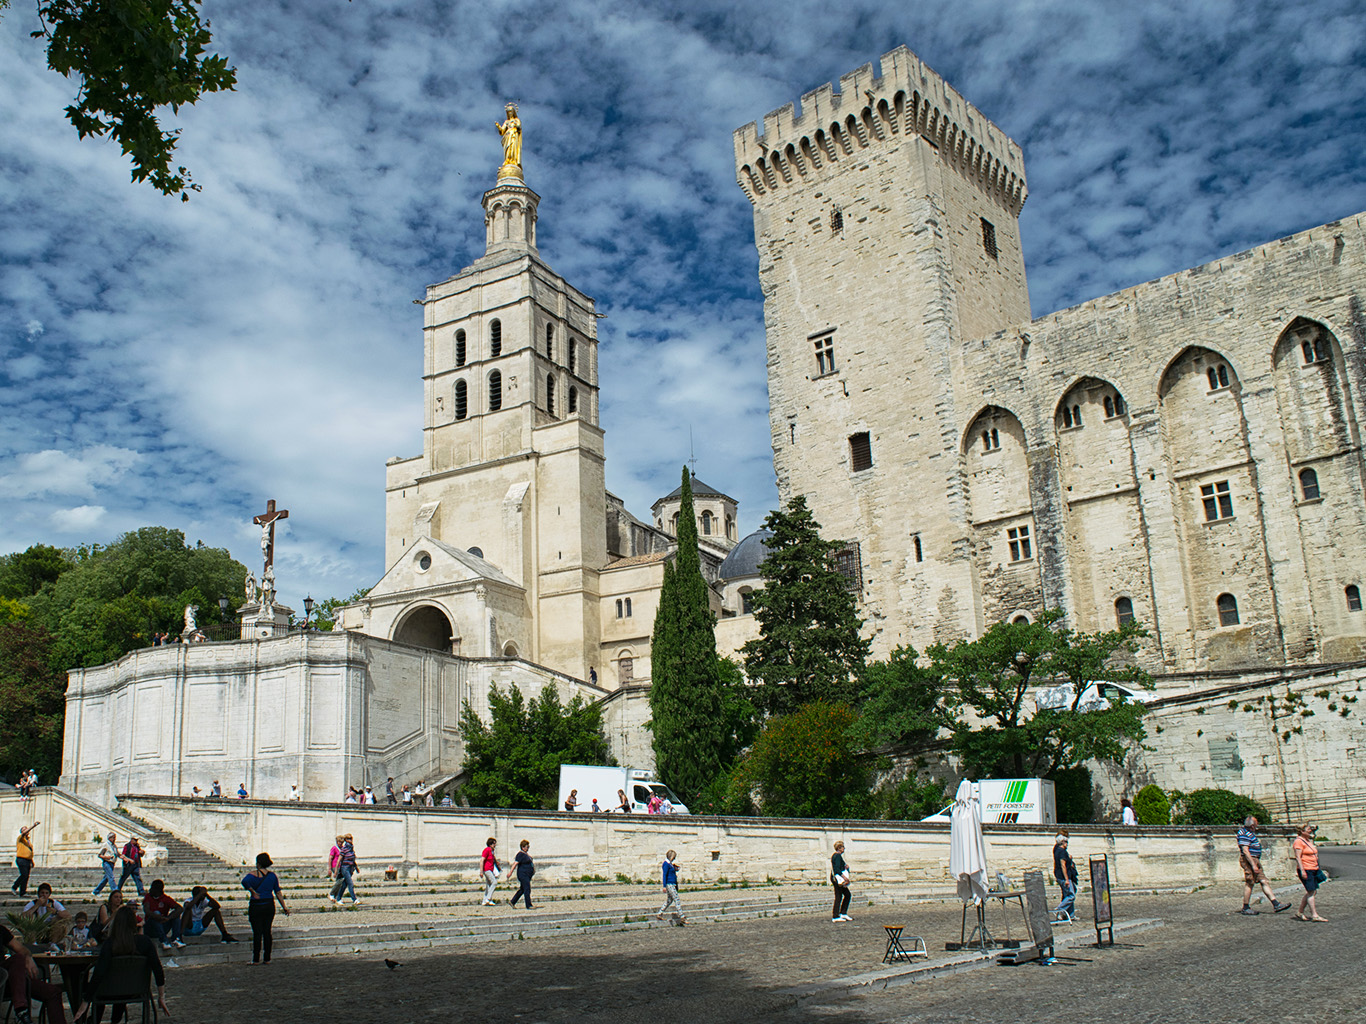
x=967 y=847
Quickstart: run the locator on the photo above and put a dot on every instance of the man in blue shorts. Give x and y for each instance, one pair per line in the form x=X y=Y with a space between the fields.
x=200 y=911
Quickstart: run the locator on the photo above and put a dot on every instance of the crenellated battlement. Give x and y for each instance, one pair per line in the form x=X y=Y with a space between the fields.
x=869 y=111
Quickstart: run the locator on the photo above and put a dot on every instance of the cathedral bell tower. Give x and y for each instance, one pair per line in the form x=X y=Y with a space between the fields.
x=510 y=482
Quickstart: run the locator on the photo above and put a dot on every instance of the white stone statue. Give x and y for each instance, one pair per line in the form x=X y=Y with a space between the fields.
x=250 y=588
x=268 y=589
x=190 y=625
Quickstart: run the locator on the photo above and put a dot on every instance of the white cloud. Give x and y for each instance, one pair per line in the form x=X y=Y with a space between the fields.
x=79 y=520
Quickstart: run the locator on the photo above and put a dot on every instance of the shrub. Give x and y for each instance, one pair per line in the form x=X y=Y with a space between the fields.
x=909 y=799
x=803 y=765
x=1073 y=791
x=1219 y=807
x=1152 y=807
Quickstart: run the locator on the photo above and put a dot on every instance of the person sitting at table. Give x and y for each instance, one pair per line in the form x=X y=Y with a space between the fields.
x=163 y=916
x=99 y=931
x=200 y=911
x=24 y=982
x=80 y=931
x=124 y=940
x=44 y=908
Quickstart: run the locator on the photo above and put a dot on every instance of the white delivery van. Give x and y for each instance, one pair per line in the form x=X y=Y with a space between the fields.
x=1011 y=802
x=601 y=782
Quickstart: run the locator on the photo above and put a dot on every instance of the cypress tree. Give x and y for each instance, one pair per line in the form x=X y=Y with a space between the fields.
x=810 y=645
x=686 y=688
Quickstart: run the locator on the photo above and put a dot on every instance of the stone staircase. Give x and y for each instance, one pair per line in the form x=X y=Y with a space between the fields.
x=184 y=857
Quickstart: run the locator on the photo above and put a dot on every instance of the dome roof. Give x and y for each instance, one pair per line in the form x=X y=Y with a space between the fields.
x=699 y=490
x=745 y=558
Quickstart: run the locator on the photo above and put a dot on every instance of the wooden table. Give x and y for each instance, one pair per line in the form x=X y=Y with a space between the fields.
x=75 y=968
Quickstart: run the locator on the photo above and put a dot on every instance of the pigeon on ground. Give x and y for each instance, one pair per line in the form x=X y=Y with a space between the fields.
x=393 y=965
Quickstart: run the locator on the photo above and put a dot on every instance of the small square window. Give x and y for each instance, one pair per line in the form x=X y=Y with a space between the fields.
x=860 y=452
x=825 y=354
x=1217 y=501
x=849 y=564
x=836 y=221
x=1021 y=549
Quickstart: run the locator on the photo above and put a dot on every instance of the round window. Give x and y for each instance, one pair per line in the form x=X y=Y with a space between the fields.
x=424 y=562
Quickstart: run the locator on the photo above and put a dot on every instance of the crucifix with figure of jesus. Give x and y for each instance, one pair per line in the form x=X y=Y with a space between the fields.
x=266 y=521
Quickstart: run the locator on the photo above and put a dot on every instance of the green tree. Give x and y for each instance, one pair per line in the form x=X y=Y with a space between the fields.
x=325 y=611
x=809 y=646
x=1151 y=806
x=514 y=760
x=803 y=765
x=115 y=598
x=904 y=704
x=25 y=573
x=991 y=676
x=32 y=702
x=131 y=58
x=693 y=737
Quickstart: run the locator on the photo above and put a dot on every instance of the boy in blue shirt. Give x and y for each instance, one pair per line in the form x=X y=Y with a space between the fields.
x=669 y=877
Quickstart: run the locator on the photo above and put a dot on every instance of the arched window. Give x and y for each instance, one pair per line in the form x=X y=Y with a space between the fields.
x=1071 y=415
x=495 y=391
x=459 y=348
x=991 y=440
x=573 y=400
x=550 y=341
x=1309 y=484
x=496 y=339
x=628 y=607
x=625 y=668
x=706 y=523
x=550 y=393
x=1353 y=598
x=673 y=524
x=1315 y=351
x=1120 y=408
x=1124 y=611
x=1021 y=620
x=1109 y=407
x=747 y=601
x=1218 y=377
x=509 y=650
x=618 y=607
x=572 y=347
x=1228 y=610
x=730 y=527
x=461 y=400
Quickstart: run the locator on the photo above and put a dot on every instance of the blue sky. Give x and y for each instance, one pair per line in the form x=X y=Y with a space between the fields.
x=176 y=364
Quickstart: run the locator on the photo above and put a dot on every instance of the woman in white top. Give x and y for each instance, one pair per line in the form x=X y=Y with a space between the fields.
x=1126 y=814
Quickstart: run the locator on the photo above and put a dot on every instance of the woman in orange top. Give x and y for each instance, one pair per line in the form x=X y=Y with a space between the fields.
x=1307 y=867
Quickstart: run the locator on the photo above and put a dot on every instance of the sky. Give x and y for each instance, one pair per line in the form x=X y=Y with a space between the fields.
x=177 y=364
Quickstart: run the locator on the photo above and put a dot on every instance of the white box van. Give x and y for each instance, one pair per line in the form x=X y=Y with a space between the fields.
x=1011 y=802
x=602 y=782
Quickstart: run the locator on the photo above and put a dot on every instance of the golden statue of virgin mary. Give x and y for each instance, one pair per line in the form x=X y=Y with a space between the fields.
x=511 y=131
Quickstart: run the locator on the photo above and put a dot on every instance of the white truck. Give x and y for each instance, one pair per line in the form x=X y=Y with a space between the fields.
x=601 y=783
x=1012 y=802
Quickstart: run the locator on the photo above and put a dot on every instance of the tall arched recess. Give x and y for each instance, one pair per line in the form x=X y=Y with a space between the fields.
x=1102 y=515
x=425 y=626
x=1001 y=515
x=1322 y=444
x=1216 y=503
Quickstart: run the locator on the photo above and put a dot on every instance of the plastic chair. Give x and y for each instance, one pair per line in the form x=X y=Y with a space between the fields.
x=128 y=981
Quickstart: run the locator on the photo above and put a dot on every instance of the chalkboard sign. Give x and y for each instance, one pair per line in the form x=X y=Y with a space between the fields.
x=1040 y=919
x=1100 y=897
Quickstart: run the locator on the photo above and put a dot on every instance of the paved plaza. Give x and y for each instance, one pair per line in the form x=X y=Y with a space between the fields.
x=1204 y=964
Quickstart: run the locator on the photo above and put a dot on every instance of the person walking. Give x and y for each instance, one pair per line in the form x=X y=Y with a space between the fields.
x=525 y=869
x=669 y=879
x=489 y=866
x=346 y=868
x=132 y=864
x=109 y=856
x=1065 y=872
x=23 y=859
x=1250 y=857
x=1306 y=856
x=264 y=887
x=839 y=878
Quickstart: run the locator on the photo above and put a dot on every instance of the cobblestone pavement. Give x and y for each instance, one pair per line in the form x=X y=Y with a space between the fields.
x=1206 y=966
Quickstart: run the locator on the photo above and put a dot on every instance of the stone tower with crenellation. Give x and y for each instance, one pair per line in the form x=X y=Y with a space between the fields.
x=885 y=214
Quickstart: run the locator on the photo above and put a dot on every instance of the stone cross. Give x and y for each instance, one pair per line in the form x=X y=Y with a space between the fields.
x=266 y=521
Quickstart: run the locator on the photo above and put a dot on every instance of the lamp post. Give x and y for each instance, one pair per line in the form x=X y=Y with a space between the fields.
x=308 y=610
x=223 y=605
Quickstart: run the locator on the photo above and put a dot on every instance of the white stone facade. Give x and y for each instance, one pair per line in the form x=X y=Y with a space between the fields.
x=1186 y=452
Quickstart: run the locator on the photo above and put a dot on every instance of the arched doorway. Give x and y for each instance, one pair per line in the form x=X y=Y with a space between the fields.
x=425 y=626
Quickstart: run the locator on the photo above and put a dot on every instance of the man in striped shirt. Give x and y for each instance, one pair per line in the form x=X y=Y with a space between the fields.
x=1250 y=857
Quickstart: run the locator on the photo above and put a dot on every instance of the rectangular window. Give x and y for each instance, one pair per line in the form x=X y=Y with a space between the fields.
x=849 y=564
x=860 y=452
x=825 y=354
x=919 y=551
x=1021 y=550
x=1217 y=500
x=989 y=238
